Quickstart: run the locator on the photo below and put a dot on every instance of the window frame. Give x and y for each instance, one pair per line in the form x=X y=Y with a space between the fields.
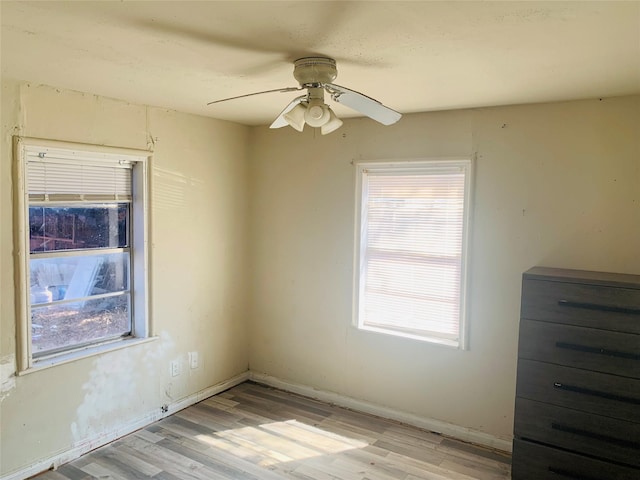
x=139 y=251
x=407 y=167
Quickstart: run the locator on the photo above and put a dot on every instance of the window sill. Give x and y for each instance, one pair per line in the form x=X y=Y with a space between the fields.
x=62 y=358
x=421 y=338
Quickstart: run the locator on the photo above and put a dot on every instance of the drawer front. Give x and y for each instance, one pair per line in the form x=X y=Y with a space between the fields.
x=593 y=392
x=607 y=308
x=602 y=437
x=580 y=347
x=537 y=462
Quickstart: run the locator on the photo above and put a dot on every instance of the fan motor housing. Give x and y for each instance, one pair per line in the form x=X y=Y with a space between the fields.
x=315 y=70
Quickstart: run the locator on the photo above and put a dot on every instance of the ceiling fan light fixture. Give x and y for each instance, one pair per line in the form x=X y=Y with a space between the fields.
x=316 y=115
x=333 y=124
x=296 y=117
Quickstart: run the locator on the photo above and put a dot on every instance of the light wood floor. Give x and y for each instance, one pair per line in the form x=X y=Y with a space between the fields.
x=258 y=433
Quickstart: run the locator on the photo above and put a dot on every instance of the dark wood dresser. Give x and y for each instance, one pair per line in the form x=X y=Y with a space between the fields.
x=577 y=411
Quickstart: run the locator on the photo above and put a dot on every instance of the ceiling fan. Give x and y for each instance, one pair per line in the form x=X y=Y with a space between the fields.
x=315 y=74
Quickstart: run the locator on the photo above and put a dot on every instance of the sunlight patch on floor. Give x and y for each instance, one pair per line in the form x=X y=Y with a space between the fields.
x=277 y=442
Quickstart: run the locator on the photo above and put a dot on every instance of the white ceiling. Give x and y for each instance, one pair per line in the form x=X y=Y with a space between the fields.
x=411 y=56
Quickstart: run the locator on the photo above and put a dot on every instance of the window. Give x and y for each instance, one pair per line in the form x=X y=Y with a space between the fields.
x=82 y=220
x=411 y=249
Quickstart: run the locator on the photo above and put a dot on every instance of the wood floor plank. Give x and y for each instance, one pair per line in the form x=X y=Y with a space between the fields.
x=222 y=403
x=148 y=436
x=349 y=430
x=410 y=441
x=421 y=468
x=53 y=475
x=427 y=476
x=118 y=468
x=293 y=401
x=361 y=420
x=225 y=469
x=281 y=412
x=478 y=463
x=308 y=472
x=376 y=459
x=414 y=434
x=458 y=448
x=313 y=437
x=220 y=420
x=130 y=463
x=244 y=460
x=247 y=463
x=407 y=450
x=329 y=467
x=217 y=418
x=288 y=402
x=478 y=470
x=253 y=432
x=72 y=473
x=169 y=461
x=101 y=472
x=166 y=476
x=369 y=469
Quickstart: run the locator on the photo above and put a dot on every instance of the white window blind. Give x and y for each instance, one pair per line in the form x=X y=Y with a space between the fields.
x=411 y=249
x=62 y=179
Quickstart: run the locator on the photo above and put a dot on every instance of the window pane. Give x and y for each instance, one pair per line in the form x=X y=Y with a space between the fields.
x=66 y=278
x=69 y=324
x=71 y=228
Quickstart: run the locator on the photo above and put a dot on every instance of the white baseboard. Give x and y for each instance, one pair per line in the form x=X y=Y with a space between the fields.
x=438 y=426
x=92 y=443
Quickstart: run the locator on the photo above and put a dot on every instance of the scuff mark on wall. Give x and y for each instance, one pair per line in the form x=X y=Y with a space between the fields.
x=7 y=375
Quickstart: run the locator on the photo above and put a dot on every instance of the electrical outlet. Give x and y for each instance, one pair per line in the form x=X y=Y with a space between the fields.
x=193 y=359
x=175 y=368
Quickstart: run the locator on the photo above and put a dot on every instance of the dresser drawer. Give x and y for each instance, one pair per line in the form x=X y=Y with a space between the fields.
x=580 y=347
x=599 y=393
x=593 y=435
x=537 y=462
x=606 y=308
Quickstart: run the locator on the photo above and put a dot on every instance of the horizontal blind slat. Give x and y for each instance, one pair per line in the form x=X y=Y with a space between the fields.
x=78 y=178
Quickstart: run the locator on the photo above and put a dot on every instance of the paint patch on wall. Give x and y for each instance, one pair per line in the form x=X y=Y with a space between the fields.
x=7 y=375
x=112 y=388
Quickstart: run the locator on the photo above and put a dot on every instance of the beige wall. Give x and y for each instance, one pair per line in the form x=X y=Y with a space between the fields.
x=258 y=224
x=556 y=185
x=198 y=272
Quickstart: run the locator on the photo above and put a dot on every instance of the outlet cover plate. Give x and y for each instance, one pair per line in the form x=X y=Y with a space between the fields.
x=193 y=359
x=175 y=368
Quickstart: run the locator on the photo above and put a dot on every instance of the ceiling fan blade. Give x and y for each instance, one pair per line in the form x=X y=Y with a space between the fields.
x=280 y=121
x=286 y=89
x=371 y=107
